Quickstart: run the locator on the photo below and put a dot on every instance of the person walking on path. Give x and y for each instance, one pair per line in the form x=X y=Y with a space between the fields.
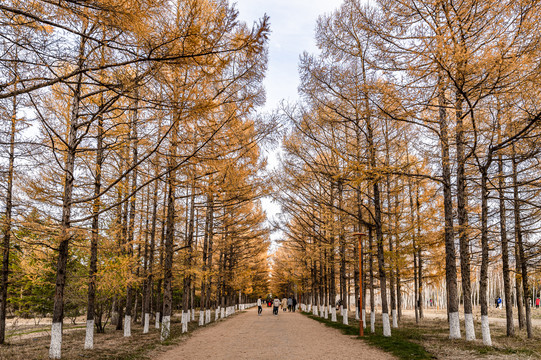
x=499 y=302
x=276 y=306
x=294 y=304
x=259 y=307
x=284 y=304
x=537 y=303
x=289 y=303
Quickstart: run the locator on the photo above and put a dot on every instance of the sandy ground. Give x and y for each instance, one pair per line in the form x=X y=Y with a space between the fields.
x=286 y=336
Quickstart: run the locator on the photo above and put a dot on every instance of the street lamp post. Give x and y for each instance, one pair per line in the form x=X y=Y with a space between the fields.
x=361 y=317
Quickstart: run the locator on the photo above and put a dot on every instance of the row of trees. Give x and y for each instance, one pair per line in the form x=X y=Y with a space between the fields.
x=133 y=173
x=419 y=127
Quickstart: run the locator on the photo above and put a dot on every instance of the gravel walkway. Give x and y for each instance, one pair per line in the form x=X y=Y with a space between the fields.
x=286 y=336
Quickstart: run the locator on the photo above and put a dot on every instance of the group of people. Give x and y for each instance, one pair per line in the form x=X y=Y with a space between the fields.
x=286 y=304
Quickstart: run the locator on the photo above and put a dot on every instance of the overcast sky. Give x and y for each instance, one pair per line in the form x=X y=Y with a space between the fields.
x=292 y=32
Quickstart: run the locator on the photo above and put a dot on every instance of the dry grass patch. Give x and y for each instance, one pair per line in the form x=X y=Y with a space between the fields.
x=108 y=346
x=434 y=336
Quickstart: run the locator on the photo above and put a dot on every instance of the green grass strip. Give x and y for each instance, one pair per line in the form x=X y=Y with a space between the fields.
x=401 y=344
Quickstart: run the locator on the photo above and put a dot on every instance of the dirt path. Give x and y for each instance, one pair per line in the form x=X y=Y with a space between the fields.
x=286 y=336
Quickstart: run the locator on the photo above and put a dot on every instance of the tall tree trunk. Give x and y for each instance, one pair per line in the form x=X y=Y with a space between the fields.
x=159 y=293
x=93 y=266
x=343 y=278
x=145 y=300
x=461 y=205
x=519 y=241
x=415 y=252
x=450 y=253
x=152 y=249
x=186 y=291
x=391 y=254
x=371 y=274
x=379 y=236
x=416 y=283
x=123 y=233
x=505 y=251
x=397 y=260
x=55 y=349
x=419 y=255
x=359 y=252
x=6 y=228
x=331 y=262
x=131 y=227
x=484 y=255
x=170 y=232
x=210 y=243
x=203 y=303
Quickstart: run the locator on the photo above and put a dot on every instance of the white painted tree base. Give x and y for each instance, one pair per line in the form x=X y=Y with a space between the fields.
x=454 y=326
x=166 y=328
x=201 y=318
x=185 y=318
x=487 y=341
x=207 y=317
x=373 y=321
x=315 y=311
x=55 y=349
x=326 y=316
x=216 y=314
x=222 y=313
x=193 y=314
x=345 y=319
x=309 y=307
x=146 y=323
x=333 y=314
x=127 y=326
x=157 y=324
x=386 y=325
x=364 y=318
x=395 y=318
x=89 y=337
x=470 y=330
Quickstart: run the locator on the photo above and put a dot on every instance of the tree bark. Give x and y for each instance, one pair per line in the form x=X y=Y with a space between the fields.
x=484 y=255
x=519 y=241
x=379 y=234
x=461 y=205
x=170 y=233
x=65 y=225
x=93 y=266
x=510 y=328
x=131 y=224
x=371 y=271
x=6 y=228
x=397 y=263
x=343 y=277
x=450 y=253
x=419 y=256
x=210 y=243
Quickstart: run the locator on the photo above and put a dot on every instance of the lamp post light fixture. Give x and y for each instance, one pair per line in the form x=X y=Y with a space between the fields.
x=361 y=318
